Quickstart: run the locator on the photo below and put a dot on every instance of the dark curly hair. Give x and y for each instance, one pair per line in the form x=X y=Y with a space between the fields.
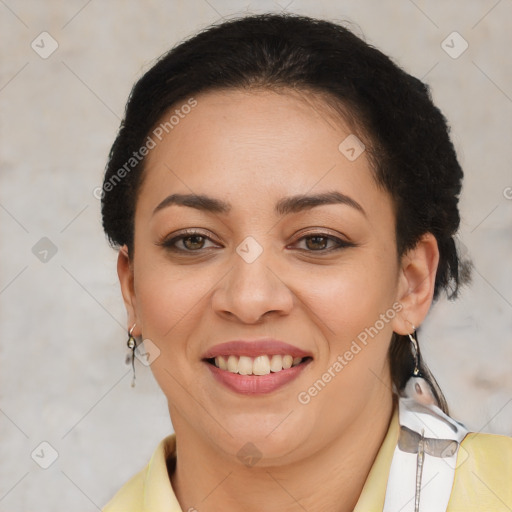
x=406 y=136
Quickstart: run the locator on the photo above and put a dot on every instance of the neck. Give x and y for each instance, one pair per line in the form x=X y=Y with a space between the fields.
x=204 y=483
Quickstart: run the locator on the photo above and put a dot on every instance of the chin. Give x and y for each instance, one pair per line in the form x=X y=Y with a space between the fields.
x=269 y=440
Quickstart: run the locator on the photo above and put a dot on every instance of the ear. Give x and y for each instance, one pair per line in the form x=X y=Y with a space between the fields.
x=416 y=283
x=125 y=274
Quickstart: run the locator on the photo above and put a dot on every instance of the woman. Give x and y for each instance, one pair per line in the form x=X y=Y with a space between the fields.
x=284 y=200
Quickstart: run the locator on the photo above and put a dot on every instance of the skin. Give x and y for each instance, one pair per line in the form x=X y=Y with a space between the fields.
x=252 y=148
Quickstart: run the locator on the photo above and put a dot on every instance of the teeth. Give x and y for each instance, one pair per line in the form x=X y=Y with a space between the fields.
x=245 y=365
x=261 y=365
x=287 y=362
x=276 y=364
x=221 y=363
x=232 y=364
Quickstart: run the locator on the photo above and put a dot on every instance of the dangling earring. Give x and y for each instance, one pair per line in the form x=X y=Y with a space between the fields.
x=415 y=352
x=132 y=345
x=417 y=386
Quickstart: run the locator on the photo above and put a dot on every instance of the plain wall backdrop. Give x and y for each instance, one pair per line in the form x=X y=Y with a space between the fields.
x=63 y=324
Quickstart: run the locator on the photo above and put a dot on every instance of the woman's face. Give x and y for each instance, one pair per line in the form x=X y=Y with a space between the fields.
x=255 y=260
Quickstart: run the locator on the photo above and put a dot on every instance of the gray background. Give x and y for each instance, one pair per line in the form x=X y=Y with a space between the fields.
x=63 y=377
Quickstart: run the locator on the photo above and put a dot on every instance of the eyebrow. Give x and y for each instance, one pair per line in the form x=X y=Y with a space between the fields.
x=284 y=206
x=197 y=201
x=299 y=203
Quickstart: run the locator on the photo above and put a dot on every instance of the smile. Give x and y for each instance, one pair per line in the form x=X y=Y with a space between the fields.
x=260 y=365
x=256 y=375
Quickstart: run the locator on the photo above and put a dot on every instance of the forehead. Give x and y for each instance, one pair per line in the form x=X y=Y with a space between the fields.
x=226 y=121
x=247 y=145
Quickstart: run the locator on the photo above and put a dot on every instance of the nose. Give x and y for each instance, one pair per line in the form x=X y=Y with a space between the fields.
x=252 y=290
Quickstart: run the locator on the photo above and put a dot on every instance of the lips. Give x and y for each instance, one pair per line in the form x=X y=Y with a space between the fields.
x=263 y=366
x=254 y=349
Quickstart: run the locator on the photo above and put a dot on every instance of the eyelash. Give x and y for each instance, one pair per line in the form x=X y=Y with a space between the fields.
x=169 y=244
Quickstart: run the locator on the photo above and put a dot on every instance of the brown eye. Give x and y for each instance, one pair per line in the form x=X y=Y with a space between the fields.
x=316 y=243
x=193 y=242
x=321 y=243
x=188 y=242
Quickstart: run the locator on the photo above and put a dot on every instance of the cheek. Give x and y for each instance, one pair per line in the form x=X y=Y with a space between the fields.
x=170 y=307
x=166 y=292
x=350 y=297
x=353 y=307
x=170 y=303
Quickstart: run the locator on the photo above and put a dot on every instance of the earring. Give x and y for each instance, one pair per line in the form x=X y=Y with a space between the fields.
x=132 y=345
x=417 y=387
x=415 y=352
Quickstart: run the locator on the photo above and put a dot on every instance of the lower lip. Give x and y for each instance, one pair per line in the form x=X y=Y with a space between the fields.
x=257 y=384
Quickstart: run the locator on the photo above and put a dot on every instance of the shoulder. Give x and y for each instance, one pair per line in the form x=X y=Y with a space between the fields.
x=150 y=488
x=479 y=444
x=483 y=474
x=129 y=497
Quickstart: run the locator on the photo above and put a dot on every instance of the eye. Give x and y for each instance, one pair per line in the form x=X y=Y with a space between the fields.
x=322 y=242
x=188 y=241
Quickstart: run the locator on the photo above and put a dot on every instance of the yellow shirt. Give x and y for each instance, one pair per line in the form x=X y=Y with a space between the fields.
x=483 y=478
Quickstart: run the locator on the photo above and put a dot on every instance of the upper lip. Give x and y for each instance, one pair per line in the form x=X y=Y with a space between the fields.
x=254 y=348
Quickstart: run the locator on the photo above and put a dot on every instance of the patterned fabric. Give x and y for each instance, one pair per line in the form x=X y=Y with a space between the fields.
x=425 y=458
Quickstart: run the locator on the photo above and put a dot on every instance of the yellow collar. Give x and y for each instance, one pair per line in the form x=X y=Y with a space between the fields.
x=374 y=490
x=158 y=492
